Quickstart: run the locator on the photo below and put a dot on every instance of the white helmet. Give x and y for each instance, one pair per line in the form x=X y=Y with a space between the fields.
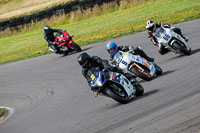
x=150 y=25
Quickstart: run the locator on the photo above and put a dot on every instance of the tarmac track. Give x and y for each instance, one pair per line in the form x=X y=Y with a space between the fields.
x=49 y=95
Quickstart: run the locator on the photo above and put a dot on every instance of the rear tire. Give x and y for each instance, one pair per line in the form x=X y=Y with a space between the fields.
x=76 y=47
x=182 y=49
x=116 y=97
x=139 y=74
x=139 y=90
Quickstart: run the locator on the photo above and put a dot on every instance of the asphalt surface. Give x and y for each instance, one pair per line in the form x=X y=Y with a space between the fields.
x=49 y=95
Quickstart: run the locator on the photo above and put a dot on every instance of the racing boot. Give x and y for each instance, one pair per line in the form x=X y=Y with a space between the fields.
x=131 y=78
x=133 y=81
x=185 y=38
x=143 y=55
x=65 y=50
x=54 y=49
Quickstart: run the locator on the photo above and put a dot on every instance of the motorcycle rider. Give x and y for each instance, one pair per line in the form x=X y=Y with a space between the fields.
x=112 y=49
x=151 y=27
x=49 y=37
x=88 y=63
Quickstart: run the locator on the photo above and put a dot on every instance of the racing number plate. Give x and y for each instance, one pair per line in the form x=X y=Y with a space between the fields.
x=166 y=37
x=92 y=77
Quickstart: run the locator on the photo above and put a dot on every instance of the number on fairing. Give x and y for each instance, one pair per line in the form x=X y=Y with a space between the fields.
x=92 y=77
x=166 y=37
x=125 y=63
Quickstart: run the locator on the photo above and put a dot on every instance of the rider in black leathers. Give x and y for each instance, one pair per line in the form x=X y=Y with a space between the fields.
x=49 y=37
x=88 y=63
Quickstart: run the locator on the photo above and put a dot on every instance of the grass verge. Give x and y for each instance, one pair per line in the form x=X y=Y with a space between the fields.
x=97 y=25
x=15 y=8
x=3 y=114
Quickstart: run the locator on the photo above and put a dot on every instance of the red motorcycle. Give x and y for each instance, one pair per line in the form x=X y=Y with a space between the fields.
x=66 y=44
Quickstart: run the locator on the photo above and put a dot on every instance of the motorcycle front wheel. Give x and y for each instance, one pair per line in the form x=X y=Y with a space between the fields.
x=182 y=49
x=158 y=70
x=116 y=96
x=139 y=90
x=76 y=47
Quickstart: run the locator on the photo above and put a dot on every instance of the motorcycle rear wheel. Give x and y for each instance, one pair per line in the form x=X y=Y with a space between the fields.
x=139 y=74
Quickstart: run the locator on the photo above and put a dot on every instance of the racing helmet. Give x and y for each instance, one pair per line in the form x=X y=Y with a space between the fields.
x=47 y=29
x=150 y=25
x=84 y=60
x=112 y=48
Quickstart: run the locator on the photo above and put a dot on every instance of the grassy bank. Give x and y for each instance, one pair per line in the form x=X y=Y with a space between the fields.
x=94 y=26
x=3 y=114
x=16 y=8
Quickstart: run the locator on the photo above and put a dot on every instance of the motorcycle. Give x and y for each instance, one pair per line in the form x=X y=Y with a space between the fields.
x=66 y=44
x=137 y=65
x=114 y=85
x=172 y=41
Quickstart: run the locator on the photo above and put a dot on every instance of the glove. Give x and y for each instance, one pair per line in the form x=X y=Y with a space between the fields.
x=107 y=68
x=125 y=48
x=56 y=43
x=116 y=69
x=131 y=49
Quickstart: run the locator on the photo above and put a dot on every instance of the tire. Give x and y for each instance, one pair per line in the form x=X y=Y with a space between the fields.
x=139 y=90
x=139 y=74
x=182 y=49
x=158 y=70
x=116 y=97
x=76 y=47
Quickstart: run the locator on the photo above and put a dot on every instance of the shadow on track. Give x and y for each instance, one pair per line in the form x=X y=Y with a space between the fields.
x=176 y=57
x=181 y=56
x=146 y=94
x=74 y=52
x=163 y=74
x=195 y=51
x=85 y=49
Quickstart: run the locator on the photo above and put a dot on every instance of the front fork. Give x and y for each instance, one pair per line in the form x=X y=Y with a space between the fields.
x=69 y=43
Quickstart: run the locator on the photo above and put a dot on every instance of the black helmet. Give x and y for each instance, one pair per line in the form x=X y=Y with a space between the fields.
x=84 y=59
x=47 y=28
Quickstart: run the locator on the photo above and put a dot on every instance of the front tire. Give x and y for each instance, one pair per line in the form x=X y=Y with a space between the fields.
x=117 y=97
x=139 y=90
x=182 y=49
x=158 y=70
x=76 y=47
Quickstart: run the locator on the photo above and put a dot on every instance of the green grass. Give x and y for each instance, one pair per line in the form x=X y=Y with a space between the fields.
x=30 y=43
x=3 y=113
x=15 y=8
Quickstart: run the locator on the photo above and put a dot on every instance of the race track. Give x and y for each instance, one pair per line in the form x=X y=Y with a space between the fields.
x=49 y=94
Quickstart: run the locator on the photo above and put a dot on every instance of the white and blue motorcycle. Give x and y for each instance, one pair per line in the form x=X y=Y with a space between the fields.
x=137 y=65
x=172 y=41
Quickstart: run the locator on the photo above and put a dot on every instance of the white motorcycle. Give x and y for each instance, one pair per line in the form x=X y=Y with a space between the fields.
x=137 y=65
x=172 y=41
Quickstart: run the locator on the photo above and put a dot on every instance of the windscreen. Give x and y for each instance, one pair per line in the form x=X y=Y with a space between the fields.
x=159 y=32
